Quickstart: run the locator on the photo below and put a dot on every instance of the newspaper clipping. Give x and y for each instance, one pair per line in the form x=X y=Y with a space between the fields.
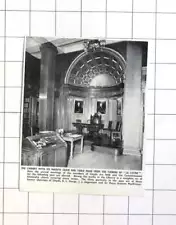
x=83 y=108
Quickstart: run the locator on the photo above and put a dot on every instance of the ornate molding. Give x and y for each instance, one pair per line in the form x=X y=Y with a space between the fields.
x=92 y=45
x=97 y=92
x=90 y=63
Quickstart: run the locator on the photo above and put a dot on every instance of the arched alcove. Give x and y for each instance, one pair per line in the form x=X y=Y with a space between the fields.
x=95 y=75
x=90 y=66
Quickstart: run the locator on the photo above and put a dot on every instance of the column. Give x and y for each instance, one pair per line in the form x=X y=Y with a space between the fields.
x=132 y=108
x=47 y=86
x=64 y=108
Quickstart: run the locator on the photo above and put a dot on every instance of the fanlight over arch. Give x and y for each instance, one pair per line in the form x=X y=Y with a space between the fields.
x=93 y=67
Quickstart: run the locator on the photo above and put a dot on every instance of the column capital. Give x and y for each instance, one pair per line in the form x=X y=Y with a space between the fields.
x=48 y=45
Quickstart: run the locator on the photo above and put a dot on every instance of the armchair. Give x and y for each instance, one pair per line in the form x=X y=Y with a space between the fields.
x=108 y=130
x=95 y=125
x=116 y=137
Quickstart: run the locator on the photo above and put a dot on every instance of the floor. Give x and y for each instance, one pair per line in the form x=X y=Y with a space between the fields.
x=103 y=158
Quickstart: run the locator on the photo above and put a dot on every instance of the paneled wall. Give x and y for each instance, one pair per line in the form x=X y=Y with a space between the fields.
x=66 y=115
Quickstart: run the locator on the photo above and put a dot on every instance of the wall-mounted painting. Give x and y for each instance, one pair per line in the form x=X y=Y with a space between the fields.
x=78 y=106
x=119 y=106
x=101 y=107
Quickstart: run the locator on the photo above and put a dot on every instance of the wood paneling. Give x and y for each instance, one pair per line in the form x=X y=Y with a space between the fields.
x=66 y=115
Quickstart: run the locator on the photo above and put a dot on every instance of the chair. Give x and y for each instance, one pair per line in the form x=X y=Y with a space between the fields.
x=78 y=121
x=110 y=125
x=116 y=137
x=108 y=130
x=118 y=128
x=101 y=130
x=117 y=125
x=78 y=127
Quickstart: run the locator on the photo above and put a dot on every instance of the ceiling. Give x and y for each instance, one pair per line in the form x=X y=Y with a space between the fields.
x=64 y=45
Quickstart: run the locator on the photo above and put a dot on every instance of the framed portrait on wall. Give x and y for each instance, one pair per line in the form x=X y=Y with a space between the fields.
x=119 y=106
x=78 y=108
x=101 y=107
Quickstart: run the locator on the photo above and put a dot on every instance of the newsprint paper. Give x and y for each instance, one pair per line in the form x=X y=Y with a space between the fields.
x=83 y=112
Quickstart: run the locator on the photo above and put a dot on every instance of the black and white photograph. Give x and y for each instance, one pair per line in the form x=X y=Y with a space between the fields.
x=101 y=107
x=83 y=103
x=78 y=106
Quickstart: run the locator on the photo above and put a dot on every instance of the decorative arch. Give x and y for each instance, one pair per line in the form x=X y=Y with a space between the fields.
x=89 y=64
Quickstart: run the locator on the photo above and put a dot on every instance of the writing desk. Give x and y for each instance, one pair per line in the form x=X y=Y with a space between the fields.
x=90 y=127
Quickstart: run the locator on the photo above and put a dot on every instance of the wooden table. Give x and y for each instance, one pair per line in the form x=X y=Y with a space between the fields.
x=72 y=138
x=89 y=126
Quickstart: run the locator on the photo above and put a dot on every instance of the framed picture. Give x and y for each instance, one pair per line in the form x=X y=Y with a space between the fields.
x=101 y=107
x=119 y=106
x=78 y=106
